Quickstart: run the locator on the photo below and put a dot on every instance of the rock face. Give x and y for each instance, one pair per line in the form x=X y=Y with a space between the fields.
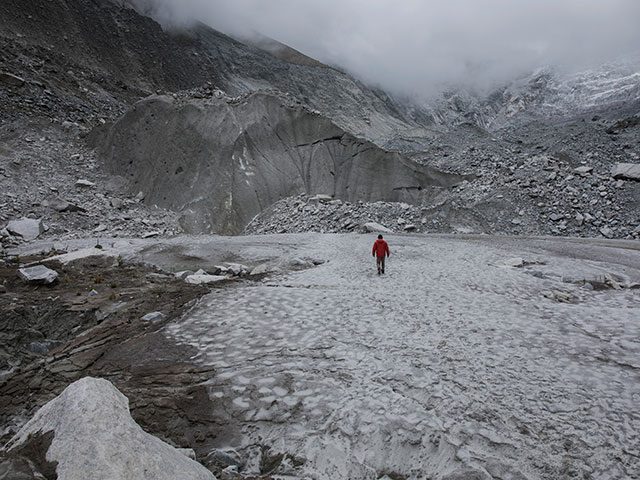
x=93 y=432
x=222 y=161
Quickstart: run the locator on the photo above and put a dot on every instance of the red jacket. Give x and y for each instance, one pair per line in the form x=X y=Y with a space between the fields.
x=380 y=248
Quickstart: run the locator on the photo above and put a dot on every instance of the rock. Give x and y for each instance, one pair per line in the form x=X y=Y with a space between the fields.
x=85 y=183
x=187 y=452
x=154 y=317
x=197 y=279
x=152 y=234
x=560 y=296
x=139 y=197
x=320 y=198
x=223 y=458
x=606 y=232
x=515 y=262
x=579 y=219
x=100 y=228
x=230 y=473
x=27 y=228
x=372 y=227
x=409 y=227
x=237 y=269
x=183 y=274
x=261 y=269
x=38 y=274
x=583 y=170
x=60 y=205
x=555 y=217
x=116 y=203
x=11 y=80
x=93 y=432
x=3 y=288
x=626 y=171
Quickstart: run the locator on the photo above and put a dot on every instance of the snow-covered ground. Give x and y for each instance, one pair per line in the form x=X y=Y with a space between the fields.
x=450 y=362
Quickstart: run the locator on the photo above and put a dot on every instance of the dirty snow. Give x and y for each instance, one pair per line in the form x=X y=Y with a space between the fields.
x=450 y=361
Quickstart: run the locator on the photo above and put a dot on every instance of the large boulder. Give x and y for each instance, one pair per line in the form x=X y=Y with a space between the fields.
x=27 y=228
x=94 y=436
x=626 y=171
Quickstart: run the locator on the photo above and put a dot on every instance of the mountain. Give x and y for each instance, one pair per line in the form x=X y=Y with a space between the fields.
x=77 y=70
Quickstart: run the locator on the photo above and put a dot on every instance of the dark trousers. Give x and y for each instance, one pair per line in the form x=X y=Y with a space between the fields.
x=380 y=263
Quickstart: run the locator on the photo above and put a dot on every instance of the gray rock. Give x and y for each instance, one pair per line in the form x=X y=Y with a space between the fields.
x=606 y=232
x=27 y=228
x=583 y=170
x=373 y=227
x=515 y=262
x=38 y=274
x=60 y=205
x=409 y=227
x=183 y=274
x=626 y=171
x=85 y=183
x=93 y=432
x=151 y=234
x=199 y=279
x=320 y=198
x=116 y=203
x=223 y=458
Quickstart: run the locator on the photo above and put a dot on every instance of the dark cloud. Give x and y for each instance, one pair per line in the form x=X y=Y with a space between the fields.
x=422 y=45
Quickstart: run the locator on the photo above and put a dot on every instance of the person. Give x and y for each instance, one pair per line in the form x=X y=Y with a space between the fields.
x=380 y=251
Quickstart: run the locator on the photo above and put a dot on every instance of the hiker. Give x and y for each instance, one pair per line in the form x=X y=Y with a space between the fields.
x=380 y=250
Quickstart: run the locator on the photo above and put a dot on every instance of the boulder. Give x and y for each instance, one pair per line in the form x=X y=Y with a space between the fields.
x=27 y=228
x=38 y=274
x=372 y=227
x=93 y=432
x=626 y=171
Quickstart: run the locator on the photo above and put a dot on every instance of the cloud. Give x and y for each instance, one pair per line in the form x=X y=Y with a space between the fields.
x=420 y=46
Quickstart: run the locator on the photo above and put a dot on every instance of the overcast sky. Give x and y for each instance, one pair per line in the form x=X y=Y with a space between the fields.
x=422 y=45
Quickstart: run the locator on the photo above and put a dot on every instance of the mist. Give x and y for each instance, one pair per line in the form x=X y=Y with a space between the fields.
x=424 y=46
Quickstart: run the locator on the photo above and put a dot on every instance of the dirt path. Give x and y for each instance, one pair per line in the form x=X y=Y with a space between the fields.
x=449 y=362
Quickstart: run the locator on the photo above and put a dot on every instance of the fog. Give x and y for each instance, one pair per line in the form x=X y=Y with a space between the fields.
x=422 y=46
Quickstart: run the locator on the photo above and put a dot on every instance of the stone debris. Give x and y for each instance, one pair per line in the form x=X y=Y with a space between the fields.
x=38 y=274
x=93 y=432
x=27 y=228
x=626 y=171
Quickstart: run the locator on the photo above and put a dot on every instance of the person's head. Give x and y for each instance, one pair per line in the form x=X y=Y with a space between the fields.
x=380 y=237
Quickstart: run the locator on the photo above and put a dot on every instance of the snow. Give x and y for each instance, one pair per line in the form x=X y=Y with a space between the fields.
x=449 y=361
